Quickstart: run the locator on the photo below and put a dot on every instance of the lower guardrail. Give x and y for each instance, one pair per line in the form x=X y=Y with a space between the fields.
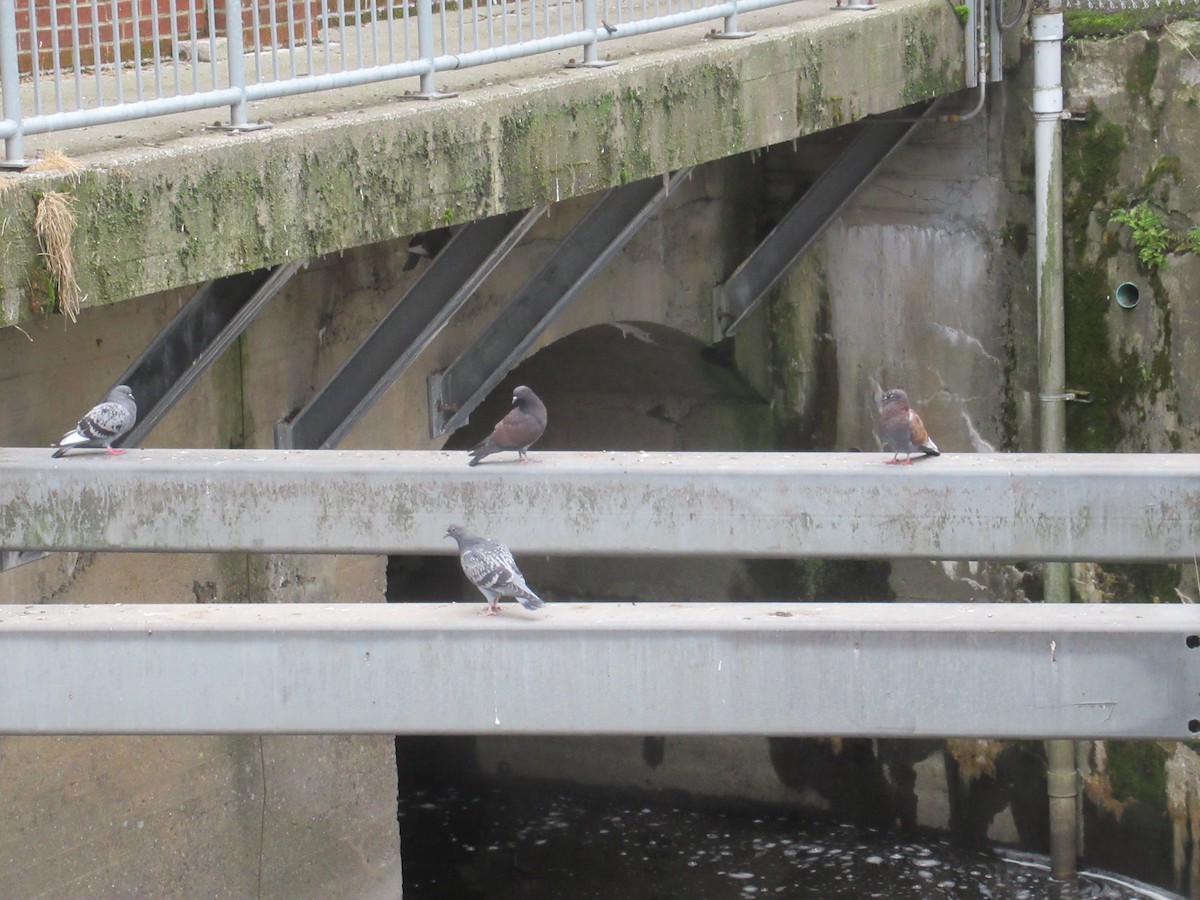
x=899 y=670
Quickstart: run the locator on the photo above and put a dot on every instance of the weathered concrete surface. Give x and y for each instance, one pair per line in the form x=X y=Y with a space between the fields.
x=926 y=282
x=163 y=218
x=187 y=817
x=1139 y=144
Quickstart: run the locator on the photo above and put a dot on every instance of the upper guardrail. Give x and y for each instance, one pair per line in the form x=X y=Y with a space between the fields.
x=1085 y=507
x=93 y=62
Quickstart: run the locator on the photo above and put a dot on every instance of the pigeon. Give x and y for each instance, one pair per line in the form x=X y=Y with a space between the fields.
x=901 y=429
x=517 y=430
x=492 y=569
x=103 y=424
x=425 y=245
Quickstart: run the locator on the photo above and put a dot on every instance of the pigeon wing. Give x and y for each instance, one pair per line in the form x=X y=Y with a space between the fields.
x=491 y=567
x=106 y=421
x=919 y=436
x=516 y=430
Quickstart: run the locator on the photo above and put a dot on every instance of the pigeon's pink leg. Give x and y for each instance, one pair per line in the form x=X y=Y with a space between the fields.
x=488 y=611
x=114 y=451
x=893 y=461
x=907 y=461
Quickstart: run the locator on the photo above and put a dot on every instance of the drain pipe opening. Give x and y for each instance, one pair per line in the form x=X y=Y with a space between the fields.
x=1127 y=295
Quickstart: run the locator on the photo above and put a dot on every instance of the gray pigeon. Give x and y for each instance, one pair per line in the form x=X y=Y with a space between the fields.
x=492 y=569
x=517 y=430
x=103 y=424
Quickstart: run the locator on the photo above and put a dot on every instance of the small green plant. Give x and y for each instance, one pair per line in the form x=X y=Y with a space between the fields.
x=963 y=12
x=1193 y=238
x=1153 y=239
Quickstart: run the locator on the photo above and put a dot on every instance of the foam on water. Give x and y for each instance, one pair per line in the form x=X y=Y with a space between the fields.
x=521 y=844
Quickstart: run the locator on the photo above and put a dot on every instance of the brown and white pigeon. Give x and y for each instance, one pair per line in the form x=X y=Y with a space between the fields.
x=491 y=568
x=103 y=424
x=901 y=429
x=517 y=430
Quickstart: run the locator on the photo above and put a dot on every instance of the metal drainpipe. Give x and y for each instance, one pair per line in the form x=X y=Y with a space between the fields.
x=1047 y=29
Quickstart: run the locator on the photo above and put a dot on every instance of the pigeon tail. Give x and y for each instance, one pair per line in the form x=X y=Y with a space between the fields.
x=484 y=448
x=531 y=601
x=929 y=448
x=70 y=441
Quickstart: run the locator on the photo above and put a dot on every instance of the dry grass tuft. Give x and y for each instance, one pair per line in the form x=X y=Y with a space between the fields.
x=56 y=161
x=7 y=183
x=55 y=224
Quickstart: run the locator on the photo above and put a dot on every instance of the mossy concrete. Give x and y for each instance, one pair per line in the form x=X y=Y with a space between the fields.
x=1138 y=142
x=157 y=219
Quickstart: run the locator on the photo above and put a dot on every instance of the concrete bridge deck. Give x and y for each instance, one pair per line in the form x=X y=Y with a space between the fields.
x=158 y=209
x=899 y=670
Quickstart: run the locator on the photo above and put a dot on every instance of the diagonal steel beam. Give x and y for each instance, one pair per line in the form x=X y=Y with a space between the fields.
x=877 y=139
x=192 y=341
x=420 y=313
x=200 y=332
x=598 y=236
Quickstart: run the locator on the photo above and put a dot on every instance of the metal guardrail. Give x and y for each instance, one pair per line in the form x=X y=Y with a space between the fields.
x=1086 y=507
x=1124 y=4
x=112 y=61
x=998 y=670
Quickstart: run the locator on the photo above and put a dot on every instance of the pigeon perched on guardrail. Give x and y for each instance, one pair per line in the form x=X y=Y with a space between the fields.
x=901 y=429
x=491 y=568
x=103 y=423
x=517 y=430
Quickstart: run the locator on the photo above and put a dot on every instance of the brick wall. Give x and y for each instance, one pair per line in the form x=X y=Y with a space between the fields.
x=109 y=22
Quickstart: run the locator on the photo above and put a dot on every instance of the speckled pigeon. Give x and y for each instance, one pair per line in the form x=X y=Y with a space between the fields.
x=901 y=429
x=103 y=424
x=492 y=569
x=517 y=430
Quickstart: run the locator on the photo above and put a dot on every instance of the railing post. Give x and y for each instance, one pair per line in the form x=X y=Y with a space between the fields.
x=237 y=65
x=855 y=5
x=731 y=31
x=592 y=24
x=10 y=85
x=590 y=21
x=239 y=111
x=425 y=49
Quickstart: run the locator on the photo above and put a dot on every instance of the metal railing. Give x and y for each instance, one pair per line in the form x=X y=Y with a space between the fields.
x=105 y=61
x=1124 y=4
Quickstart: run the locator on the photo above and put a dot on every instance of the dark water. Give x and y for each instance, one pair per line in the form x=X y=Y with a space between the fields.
x=505 y=843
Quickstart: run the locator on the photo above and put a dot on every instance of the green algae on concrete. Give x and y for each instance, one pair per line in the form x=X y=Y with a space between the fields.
x=926 y=71
x=1091 y=164
x=1095 y=23
x=161 y=218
